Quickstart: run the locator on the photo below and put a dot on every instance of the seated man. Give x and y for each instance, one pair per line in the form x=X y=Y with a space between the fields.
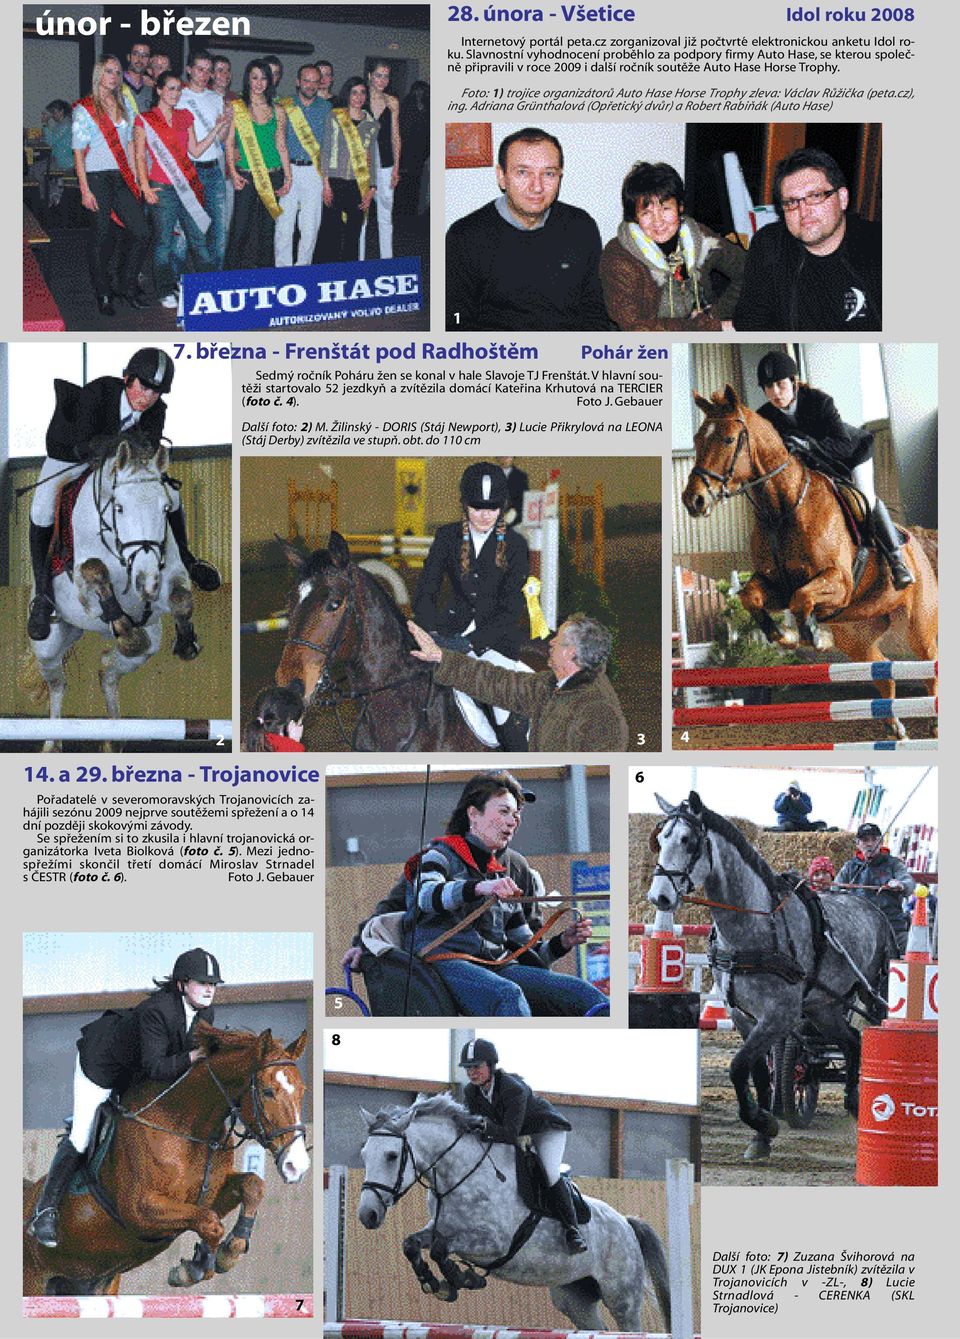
x=793 y=807
x=820 y=266
x=572 y=705
x=526 y=261
x=880 y=878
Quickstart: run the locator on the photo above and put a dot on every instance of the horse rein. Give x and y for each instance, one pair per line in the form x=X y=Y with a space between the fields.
x=725 y=492
x=686 y=893
x=125 y=550
x=398 y=1189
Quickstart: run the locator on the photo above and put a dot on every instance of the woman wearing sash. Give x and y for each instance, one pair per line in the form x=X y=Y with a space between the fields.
x=347 y=155
x=386 y=108
x=102 y=132
x=171 y=187
x=258 y=165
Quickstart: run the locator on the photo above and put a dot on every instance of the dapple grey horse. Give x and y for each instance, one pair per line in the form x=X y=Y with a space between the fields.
x=774 y=960
x=475 y=1211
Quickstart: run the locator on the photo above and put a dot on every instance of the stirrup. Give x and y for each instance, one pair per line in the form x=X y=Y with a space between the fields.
x=574 y=1240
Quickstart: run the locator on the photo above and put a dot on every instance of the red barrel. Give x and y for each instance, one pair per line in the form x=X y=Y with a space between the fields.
x=897 y=1126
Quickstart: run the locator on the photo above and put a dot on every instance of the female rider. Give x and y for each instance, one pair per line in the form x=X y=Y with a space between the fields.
x=485 y=564
x=459 y=874
x=810 y=425
x=509 y=1108
x=151 y=1041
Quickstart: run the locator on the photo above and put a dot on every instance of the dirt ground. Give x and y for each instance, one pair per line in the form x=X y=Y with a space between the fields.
x=823 y=1154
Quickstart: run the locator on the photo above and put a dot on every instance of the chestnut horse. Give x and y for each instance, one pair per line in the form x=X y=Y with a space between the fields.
x=341 y=615
x=170 y=1169
x=802 y=549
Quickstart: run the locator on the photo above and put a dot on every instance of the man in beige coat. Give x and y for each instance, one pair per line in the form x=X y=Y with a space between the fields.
x=572 y=706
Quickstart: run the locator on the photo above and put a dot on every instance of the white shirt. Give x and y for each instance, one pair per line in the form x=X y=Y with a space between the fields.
x=128 y=415
x=206 y=108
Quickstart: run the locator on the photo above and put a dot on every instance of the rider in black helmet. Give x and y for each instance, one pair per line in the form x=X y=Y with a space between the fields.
x=510 y=1108
x=484 y=564
x=810 y=425
x=151 y=1041
x=81 y=416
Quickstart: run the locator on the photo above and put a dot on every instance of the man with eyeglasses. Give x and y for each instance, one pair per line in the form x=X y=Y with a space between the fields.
x=819 y=266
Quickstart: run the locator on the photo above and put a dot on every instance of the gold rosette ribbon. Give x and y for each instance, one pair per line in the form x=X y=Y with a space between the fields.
x=538 y=624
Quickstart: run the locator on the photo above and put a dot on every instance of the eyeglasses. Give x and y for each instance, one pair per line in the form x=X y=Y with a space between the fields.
x=814 y=198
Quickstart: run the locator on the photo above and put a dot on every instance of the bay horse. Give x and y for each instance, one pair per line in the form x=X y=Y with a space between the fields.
x=125 y=572
x=169 y=1169
x=775 y=961
x=475 y=1211
x=340 y=615
x=802 y=549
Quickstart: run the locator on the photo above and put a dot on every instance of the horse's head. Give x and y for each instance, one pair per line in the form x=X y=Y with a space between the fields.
x=403 y=1145
x=722 y=444
x=261 y=1076
x=133 y=509
x=321 y=608
x=681 y=844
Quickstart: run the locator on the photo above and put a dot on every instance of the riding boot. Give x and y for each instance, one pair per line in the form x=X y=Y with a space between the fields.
x=512 y=734
x=45 y=1222
x=890 y=543
x=41 y=606
x=203 y=574
x=561 y=1201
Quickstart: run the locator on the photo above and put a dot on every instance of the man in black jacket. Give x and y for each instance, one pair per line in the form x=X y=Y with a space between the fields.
x=82 y=415
x=819 y=267
x=151 y=1041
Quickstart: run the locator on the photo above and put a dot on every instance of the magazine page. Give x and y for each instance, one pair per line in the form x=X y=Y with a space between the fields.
x=522 y=420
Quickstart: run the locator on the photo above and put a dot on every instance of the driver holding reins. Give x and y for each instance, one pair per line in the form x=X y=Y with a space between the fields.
x=150 y=1041
x=81 y=416
x=509 y=1108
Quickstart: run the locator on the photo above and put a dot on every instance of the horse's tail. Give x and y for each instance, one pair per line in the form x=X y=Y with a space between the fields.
x=29 y=679
x=655 y=1260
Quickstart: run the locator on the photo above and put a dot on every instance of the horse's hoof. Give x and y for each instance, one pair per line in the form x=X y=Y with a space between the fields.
x=447 y=1292
x=429 y=1286
x=186 y=648
x=772 y=1126
x=181 y=1276
x=789 y=639
x=758 y=1149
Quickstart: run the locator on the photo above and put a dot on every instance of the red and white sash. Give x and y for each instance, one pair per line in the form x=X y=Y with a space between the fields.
x=109 y=132
x=181 y=173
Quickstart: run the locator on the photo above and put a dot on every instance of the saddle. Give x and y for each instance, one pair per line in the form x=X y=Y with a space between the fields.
x=532 y=1187
x=61 y=546
x=86 y=1179
x=474 y=713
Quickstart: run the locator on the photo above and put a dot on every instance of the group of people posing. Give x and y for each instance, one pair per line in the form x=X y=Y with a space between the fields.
x=529 y=261
x=204 y=178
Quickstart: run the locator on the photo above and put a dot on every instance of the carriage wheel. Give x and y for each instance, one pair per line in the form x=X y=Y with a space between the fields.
x=799 y=1090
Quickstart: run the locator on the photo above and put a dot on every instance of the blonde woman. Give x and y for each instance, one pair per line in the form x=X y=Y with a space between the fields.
x=102 y=131
x=385 y=108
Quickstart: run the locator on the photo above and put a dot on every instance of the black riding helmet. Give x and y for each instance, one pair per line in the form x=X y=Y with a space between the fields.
x=483 y=486
x=775 y=366
x=197 y=965
x=152 y=368
x=477 y=1052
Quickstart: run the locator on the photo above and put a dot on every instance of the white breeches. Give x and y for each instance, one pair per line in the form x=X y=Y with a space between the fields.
x=550 y=1145
x=384 y=215
x=304 y=201
x=863 y=479
x=87 y=1097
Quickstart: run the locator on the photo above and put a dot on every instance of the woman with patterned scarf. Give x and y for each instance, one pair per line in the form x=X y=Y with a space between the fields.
x=664 y=271
x=347 y=157
x=258 y=165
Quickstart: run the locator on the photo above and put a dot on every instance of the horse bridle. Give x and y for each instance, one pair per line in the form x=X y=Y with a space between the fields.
x=398 y=1189
x=725 y=492
x=264 y=1134
x=326 y=693
x=125 y=550
x=684 y=891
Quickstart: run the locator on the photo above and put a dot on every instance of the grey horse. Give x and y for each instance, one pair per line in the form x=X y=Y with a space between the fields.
x=778 y=957
x=475 y=1211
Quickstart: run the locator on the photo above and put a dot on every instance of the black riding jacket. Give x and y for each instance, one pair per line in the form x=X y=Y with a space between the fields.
x=513 y=1109
x=150 y=1041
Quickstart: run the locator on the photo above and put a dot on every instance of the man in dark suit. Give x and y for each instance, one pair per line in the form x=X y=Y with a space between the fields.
x=81 y=416
x=517 y=485
x=151 y=1041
